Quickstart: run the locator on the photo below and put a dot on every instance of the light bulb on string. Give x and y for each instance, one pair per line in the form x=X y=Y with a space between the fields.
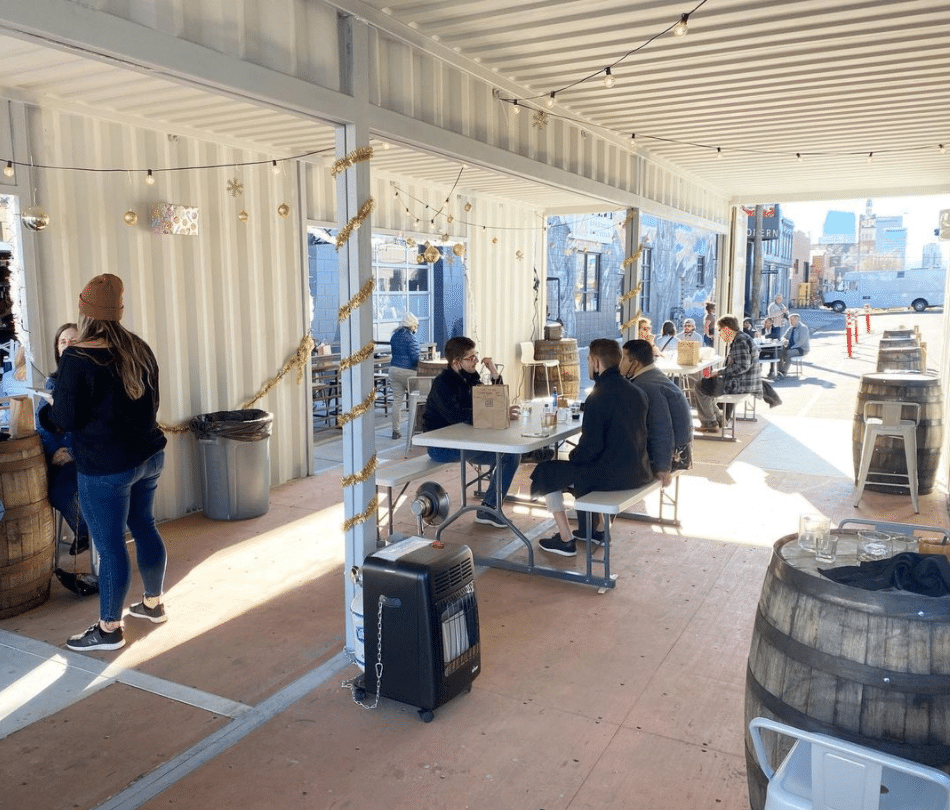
x=149 y=178
x=516 y=107
x=274 y=167
x=609 y=80
x=798 y=157
x=551 y=100
x=870 y=157
x=633 y=140
x=941 y=149
x=681 y=28
x=8 y=170
x=719 y=152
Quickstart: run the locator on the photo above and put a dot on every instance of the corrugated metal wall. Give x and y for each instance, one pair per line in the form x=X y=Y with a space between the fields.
x=222 y=310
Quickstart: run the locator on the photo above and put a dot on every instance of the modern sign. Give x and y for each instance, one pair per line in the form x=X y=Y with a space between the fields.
x=771 y=222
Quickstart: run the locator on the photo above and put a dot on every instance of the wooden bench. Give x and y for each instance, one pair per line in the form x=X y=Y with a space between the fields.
x=617 y=503
x=402 y=473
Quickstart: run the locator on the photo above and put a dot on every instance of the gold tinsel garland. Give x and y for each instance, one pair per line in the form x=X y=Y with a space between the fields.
x=365 y=292
x=634 y=258
x=358 y=357
x=351 y=159
x=359 y=410
x=299 y=360
x=365 y=210
x=362 y=475
x=363 y=516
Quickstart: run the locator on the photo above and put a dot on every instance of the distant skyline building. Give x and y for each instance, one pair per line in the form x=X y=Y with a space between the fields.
x=839 y=228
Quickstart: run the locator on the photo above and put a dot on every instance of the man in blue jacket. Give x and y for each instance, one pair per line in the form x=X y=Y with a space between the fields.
x=796 y=341
x=611 y=453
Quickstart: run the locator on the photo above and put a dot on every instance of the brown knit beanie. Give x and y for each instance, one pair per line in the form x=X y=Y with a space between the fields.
x=101 y=300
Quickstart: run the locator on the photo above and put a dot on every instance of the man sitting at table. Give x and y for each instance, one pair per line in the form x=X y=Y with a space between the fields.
x=669 y=420
x=450 y=402
x=689 y=333
x=797 y=344
x=611 y=453
x=739 y=375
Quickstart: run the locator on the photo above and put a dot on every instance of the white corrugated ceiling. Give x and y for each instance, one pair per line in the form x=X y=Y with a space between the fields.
x=762 y=82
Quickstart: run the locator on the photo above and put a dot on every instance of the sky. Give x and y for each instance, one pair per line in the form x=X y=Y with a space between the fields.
x=920 y=218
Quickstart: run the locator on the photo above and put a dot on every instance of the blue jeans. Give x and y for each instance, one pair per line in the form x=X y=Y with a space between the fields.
x=509 y=466
x=109 y=504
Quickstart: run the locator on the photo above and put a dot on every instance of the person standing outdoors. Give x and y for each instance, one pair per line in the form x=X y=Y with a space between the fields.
x=107 y=396
x=778 y=312
x=403 y=365
x=611 y=453
x=709 y=324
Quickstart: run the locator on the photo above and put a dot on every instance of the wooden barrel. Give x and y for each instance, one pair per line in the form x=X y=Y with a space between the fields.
x=893 y=386
x=901 y=333
x=900 y=358
x=26 y=531
x=431 y=368
x=897 y=342
x=565 y=352
x=869 y=667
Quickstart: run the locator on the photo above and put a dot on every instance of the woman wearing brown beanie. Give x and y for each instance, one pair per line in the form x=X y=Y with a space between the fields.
x=107 y=395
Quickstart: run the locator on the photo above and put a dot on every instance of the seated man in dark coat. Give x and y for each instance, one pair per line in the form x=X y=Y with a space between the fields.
x=611 y=453
x=669 y=419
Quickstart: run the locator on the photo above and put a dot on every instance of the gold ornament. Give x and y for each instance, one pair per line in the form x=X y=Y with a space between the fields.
x=410 y=242
x=130 y=217
x=540 y=119
x=235 y=187
x=519 y=254
x=35 y=218
x=432 y=254
x=356 y=156
x=468 y=207
x=244 y=216
x=450 y=219
x=445 y=237
x=283 y=210
x=494 y=240
x=458 y=249
x=420 y=259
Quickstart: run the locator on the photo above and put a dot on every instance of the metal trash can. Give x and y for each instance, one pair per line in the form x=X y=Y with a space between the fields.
x=234 y=456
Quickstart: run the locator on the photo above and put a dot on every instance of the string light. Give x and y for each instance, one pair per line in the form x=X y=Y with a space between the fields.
x=8 y=169
x=149 y=178
x=609 y=80
x=274 y=167
x=799 y=157
x=517 y=108
x=941 y=149
x=870 y=157
x=681 y=28
x=550 y=102
x=719 y=152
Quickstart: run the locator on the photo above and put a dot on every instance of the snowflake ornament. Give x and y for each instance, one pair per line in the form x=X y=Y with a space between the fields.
x=235 y=187
x=541 y=119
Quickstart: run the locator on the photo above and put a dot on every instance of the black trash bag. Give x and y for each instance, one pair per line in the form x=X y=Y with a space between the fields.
x=81 y=583
x=252 y=425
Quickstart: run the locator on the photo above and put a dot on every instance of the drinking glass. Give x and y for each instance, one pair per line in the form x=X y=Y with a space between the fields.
x=826 y=546
x=809 y=527
x=873 y=546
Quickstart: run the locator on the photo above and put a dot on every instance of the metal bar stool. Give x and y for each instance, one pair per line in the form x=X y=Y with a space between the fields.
x=890 y=423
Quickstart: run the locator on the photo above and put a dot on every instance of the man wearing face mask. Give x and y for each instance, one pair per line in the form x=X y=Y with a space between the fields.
x=611 y=453
x=739 y=375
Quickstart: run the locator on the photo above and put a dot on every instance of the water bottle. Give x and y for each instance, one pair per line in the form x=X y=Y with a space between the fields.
x=554 y=403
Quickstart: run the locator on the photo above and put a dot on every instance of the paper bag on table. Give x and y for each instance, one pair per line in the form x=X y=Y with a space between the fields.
x=490 y=406
x=687 y=353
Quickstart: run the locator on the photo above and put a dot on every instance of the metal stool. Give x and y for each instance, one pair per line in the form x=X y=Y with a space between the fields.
x=890 y=423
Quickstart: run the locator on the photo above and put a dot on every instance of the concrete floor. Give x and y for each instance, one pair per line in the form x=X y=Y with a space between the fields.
x=618 y=701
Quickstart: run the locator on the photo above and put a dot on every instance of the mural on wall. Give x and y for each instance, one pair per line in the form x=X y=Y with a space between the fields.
x=684 y=264
x=681 y=260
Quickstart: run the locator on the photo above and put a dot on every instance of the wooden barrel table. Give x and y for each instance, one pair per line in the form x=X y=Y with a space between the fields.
x=900 y=358
x=902 y=332
x=889 y=458
x=869 y=667
x=431 y=368
x=565 y=352
x=26 y=531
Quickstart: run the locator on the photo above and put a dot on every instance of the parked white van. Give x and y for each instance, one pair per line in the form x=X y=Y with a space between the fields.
x=888 y=289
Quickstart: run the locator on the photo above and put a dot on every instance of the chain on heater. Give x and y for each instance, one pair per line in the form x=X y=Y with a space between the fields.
x=379 y=660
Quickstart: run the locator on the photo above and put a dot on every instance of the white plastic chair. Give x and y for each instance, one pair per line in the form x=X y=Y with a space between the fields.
x=825 y=773
x=418 y=388
x=528 y=364
x=890 y=423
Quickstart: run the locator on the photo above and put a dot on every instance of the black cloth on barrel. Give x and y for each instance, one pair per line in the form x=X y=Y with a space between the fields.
x=926 y=574
x=769 y=395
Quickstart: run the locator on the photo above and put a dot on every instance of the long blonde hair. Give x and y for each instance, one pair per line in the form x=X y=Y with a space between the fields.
x=132 y=356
